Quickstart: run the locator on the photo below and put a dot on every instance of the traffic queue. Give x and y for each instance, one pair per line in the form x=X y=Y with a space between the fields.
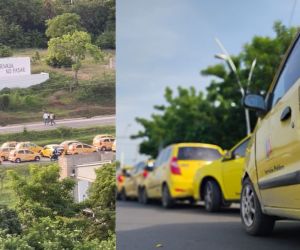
x=18 y=152
x=262 y=171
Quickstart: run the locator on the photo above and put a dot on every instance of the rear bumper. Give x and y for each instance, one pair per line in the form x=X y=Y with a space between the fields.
x=181 y=189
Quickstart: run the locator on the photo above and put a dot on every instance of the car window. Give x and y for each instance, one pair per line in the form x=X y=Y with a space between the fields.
x=21 y=152
x=79 y=146
x=159 y=159
x=198 y=153
x=86 y=146
x=167 y=155
x=289 y=74
x=241 y=149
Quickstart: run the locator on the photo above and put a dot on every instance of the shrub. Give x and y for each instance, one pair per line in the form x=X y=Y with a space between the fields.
x=58 y=62
x=9 y=221
x=107 y=40
x=4 y=102
x=5 y=51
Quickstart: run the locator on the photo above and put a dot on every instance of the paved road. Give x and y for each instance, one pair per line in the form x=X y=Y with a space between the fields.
x=190 y=227
x=72 y=123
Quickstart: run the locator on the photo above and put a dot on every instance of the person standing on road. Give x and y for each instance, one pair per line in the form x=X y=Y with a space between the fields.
x=45 y=118
x=52 y=119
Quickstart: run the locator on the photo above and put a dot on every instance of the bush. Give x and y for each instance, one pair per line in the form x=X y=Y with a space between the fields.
x=107 y=40
x=5 y=51
x=56 y=62
x=9 y=221
x=4 y=102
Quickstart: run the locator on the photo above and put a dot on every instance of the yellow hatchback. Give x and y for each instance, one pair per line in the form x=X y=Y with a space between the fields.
x=219 y=184
x=30 y=146
x=9 y=144
x=21 y=155
x=4 y=153
x=47 y=150
x=174 y=169
x=81 y=148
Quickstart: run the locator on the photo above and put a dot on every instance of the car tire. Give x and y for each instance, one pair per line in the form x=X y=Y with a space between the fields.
x=2 y=158
x=144 y=196
x=123 y=195
x=212 y=196
x=18 y=160
x=166 y=199
x=140 y=195
x=254 y=220
x=37 y=158
x=103 y=149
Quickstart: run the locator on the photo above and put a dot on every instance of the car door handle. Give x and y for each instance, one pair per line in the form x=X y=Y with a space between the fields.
x=286 y=114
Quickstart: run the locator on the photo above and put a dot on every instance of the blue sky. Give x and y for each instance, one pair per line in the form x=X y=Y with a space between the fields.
x=164 y=43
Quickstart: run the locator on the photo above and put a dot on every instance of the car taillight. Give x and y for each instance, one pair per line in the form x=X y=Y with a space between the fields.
x=145 y=173
x=120 y=178
x=174 y=166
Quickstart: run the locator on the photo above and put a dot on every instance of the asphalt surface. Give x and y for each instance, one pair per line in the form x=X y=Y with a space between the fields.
x=190 y=227
x=71 y=123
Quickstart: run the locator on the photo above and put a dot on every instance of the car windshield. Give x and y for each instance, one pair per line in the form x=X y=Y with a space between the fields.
x=198 y=153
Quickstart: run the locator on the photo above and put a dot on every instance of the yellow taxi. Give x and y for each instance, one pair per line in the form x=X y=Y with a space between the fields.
x=219 y=184
x=174 y=170
x=4 y=153
x=121 y=175
x=103 y=143
x=47 y=150
x=30 y=146
x=65 y=145
x=270 y=188
x=135 y=179
x=80 y=148
x=22 y=155
x=9 y=144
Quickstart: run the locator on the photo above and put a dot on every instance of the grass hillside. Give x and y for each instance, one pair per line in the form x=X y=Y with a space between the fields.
x=94 y=96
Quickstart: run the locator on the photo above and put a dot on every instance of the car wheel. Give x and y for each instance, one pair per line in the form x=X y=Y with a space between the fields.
x=140 y=195
x=212 y=196
x=144 y=196
x=18 y=160
x=167 y=200
x=103 y=149
x=37 y=158
x=254 y=220
x=123 y=195
x=2 y=158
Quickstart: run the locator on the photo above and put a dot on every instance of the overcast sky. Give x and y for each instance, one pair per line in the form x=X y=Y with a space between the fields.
x=164 y=43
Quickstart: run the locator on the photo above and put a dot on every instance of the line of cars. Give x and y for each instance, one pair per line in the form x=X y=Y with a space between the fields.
x=262 y=172
x=28 y=151
x=187 y=171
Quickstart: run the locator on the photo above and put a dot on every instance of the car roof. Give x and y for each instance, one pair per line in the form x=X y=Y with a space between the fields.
x=198 y=144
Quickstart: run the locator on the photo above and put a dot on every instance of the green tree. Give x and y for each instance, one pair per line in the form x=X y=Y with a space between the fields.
x=66 y=23
x=9 y=221
x=186 y=117
x=75 y=46
x=102 y=202
x=44 y=194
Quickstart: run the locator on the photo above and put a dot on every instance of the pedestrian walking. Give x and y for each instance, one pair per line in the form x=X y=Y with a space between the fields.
x=52 y=119
x=45 y=118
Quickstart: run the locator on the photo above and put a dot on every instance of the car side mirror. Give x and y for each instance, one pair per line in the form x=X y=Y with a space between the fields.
x=228 y=156
x=255 y=102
